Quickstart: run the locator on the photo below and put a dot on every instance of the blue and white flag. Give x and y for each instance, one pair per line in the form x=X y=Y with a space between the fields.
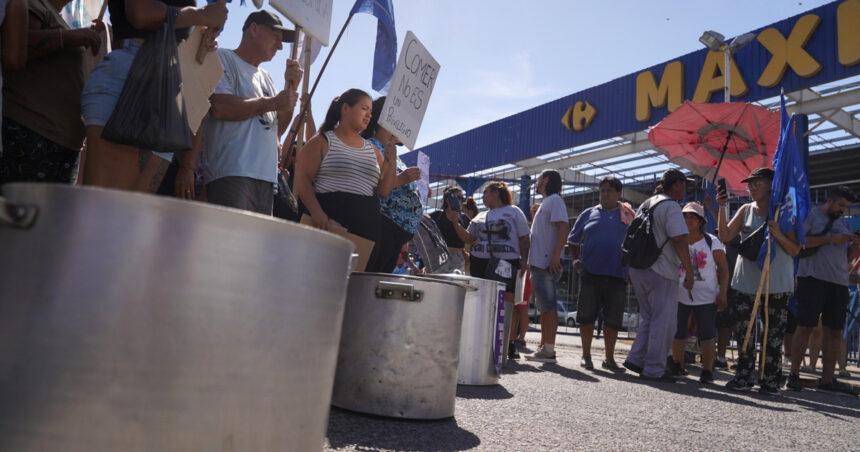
x=386 y=40
x=790 y=192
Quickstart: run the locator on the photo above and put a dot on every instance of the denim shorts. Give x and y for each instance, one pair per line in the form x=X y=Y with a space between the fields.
x=104 y=86
x=544 y=287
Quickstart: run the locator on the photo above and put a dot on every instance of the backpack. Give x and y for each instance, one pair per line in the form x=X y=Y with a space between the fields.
x=639 y=249
x=431 y=246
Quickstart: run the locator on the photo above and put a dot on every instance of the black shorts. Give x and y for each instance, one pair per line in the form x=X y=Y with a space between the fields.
x=478 y=269
x=818 y=297
x=601 y=293
x=705 y=319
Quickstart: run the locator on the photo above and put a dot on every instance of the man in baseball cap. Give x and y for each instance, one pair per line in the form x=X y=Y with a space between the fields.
x=269 y=19
x=247 y=117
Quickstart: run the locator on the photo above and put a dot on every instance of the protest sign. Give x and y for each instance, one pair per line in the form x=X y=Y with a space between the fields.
x=414 y=78
x=424 y=181
x=199 y=79
x=314 y=16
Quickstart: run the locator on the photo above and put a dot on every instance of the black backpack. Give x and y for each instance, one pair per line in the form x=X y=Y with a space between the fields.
x=432 y=247
x=639 y=249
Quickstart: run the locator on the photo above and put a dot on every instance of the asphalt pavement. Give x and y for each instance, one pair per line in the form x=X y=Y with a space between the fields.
x=565 y=407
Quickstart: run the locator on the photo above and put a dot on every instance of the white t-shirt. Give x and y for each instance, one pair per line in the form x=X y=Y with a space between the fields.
x=506 y=225
x=545 y=230
x=246 y=148
x=706 y=284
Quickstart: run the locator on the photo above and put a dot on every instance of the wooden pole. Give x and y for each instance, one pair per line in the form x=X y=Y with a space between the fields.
x=306 y=83
x=322 y=70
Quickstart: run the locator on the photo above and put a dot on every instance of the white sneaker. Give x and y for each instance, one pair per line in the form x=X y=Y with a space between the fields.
x=542 y=355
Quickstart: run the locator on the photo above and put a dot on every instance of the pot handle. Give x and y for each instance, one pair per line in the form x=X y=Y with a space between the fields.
x=21 y=216
x=398 y=291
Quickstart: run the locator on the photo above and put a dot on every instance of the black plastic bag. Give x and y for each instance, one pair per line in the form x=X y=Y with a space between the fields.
x=150 y=112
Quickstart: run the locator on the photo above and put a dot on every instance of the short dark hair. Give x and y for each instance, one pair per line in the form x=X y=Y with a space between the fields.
x=471 y=204
x=502 y=189
x=842 y=192
x=553 y=181
x=612 y=181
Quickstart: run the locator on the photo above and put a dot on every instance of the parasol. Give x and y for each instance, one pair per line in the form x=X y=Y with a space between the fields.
x=729 y=139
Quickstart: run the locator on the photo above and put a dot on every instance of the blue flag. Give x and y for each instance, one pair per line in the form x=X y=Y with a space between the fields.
x=385 y=58
x=790 y=192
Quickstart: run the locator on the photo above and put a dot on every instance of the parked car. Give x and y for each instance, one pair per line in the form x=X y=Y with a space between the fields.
x=564 y=317
x=630 y=321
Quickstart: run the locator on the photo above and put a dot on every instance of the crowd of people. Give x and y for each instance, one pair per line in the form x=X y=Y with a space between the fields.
x=57 y=100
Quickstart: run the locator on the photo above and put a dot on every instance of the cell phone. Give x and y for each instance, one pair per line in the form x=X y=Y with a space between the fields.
x=722 y=185
x=454 y=201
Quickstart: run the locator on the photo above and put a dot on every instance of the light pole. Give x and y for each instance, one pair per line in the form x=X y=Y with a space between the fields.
x=717 y=43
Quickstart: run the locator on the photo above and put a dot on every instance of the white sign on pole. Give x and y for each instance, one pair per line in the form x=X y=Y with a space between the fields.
x=410 y=91
x=314 y=16
x=424 y=181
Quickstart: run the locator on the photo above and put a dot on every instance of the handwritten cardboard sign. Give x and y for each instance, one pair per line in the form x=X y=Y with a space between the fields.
x=413 y=82
x=198 y=80
x=424 y=181
x=314 y=16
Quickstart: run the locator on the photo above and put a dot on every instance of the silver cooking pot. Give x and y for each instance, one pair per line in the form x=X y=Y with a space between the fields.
x=481 y=343
x=399 y=346
x=140 y=323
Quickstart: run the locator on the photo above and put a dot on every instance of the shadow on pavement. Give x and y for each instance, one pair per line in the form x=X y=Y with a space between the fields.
x=346 y=429
x=494 y=392
x=513 y=367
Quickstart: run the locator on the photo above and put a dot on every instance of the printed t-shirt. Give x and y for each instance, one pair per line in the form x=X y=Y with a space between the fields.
x=502 y=228
x=706 y=283
x=246 y=148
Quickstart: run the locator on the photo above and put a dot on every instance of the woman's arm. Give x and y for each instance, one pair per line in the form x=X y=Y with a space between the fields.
x=14 y=31
x=388 y=166
x=308 y=163
x=464 y=235
x=788 y=242
x=730 y=230
x=525 y=243
x=150 y=14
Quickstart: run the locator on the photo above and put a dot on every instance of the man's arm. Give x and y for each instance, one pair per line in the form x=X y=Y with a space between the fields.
x=679 y=243
x=560 y=238
x=229 y=107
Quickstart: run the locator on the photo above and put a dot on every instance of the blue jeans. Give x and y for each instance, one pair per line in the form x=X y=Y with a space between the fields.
x=544 y=288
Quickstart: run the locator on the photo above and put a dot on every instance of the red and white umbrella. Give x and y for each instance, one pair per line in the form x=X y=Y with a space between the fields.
x=729 y=139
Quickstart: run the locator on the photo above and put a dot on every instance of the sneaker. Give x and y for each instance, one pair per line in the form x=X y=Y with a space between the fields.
x=720 y=363
x=521 y=345
x=836 y=386
x=768 y=391
x=807 y=369
x=678 y=370
x=844 y=373
x=707 y=377
x=793 y=382
x=665 y=378
x=735 y=386
x=586 y=362
x=542 y=355
x=512 y=351
x=632 y=367
x=612 y=366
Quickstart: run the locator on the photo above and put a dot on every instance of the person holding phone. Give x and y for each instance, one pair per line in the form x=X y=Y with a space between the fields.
x=453 y=198
x=748 y=221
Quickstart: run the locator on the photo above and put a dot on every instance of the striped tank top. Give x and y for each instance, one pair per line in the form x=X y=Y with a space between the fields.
x=347 y=169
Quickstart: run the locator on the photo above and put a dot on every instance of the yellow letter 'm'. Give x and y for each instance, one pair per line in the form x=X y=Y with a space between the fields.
x=670 y=92
x=789 y=52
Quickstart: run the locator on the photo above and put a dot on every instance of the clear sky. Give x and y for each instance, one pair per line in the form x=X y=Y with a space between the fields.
x=500 y=57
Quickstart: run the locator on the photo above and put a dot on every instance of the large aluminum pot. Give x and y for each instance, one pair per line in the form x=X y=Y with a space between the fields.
x=481 y=343
x=399 y=346
x=131 y=322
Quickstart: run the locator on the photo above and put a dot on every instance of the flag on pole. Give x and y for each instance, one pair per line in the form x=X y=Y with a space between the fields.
x=386 y=40
x=790 y=192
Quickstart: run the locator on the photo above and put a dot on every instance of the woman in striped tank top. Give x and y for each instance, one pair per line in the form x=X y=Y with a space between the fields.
x=340 y=175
